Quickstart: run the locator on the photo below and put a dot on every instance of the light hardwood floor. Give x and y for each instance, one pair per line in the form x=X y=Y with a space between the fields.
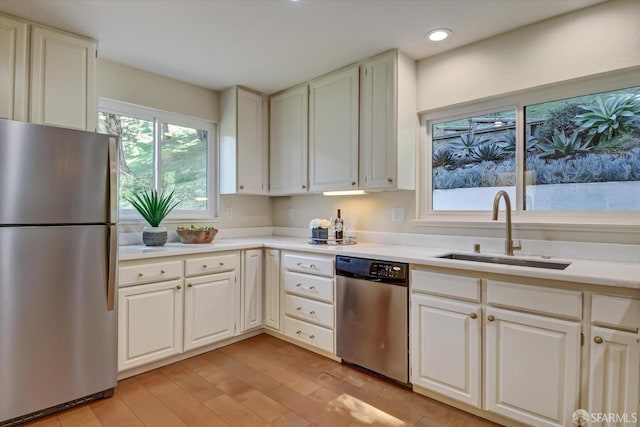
x=262 y=381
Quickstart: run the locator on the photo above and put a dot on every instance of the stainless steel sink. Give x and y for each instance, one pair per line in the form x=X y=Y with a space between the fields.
x=507 y=261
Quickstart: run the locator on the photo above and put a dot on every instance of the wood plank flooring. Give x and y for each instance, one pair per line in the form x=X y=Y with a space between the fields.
x=262 y=381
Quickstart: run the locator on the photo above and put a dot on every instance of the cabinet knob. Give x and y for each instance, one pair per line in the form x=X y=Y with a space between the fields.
x=140 y=275
x=304 y=186
x=204 y=266
x=598 y=340
x=389 y=179
x=162 y=271
x=490 y=318
x=353 y=183
x=242 y=187
x=190 y=285
x=473 y=315
x=221 y=264
x=178 y=287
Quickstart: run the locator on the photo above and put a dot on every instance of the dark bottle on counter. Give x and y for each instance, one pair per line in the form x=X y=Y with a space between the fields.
x=338 y=226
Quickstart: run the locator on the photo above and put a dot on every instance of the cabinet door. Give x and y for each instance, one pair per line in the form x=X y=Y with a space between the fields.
x=63 y=80
x=378 y=125
x=209 y=309
x=289 y=141
x=14 y=72
x=445 y=347
x=149 y=323
x=532 y=367
x=333 y=131
x=614 y=373
x=251 y=290
x=272 y=288
x=251 y=152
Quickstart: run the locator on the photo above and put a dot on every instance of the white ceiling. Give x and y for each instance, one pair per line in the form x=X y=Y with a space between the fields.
x=269 y=45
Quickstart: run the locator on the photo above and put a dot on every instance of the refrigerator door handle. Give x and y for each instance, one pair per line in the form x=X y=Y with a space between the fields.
x=113 y=264
x=114 y=160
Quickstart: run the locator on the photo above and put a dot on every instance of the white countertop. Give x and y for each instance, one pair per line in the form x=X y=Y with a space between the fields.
x=601 y=273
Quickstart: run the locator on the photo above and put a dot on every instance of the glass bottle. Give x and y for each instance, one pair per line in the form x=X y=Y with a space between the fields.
x=338 y=227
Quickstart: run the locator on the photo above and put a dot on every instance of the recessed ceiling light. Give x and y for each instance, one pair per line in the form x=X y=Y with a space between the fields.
x=438 y=34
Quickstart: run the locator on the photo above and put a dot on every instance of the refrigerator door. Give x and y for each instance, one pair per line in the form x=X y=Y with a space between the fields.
x=58 y=340
x=52 y=175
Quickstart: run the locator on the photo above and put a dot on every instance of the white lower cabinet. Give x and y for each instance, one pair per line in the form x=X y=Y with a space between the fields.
x=162 y=319
x=209 y=309
x=272 y=288
x=149 y=323
x=308 y=286
x=532 y=366
x=614 y=373
x=251 y=293
x=445 y=347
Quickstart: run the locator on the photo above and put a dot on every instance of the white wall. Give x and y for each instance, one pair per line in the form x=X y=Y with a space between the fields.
x=598 y=39
x=564 y=48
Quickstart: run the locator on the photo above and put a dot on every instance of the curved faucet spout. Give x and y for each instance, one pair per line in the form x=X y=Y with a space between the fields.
x=509 y=246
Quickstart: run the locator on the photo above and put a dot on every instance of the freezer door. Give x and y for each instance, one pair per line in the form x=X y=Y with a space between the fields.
x=52 y=175
x=57 y=336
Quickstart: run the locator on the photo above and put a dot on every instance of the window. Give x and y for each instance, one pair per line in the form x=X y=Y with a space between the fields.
x=163 y=151
x=573 y=157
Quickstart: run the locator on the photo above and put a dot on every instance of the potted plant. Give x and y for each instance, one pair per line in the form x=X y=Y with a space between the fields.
x=154 y=208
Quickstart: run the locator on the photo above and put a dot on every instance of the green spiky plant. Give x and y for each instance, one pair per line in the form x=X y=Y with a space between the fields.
x=152 y=206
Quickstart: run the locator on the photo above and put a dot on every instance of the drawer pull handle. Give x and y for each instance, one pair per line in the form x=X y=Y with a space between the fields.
x=178 y=287
x=190 y=285
x=473 y=315
x=310 y=288
x=490 y=318
x=140 y=275
x=598 y=340
x=299 y=332
x=309 y=313
x=306 y=265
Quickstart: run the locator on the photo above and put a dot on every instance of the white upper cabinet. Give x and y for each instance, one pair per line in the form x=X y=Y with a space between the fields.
x=333 y=131
x=388 y=122
x=14 y=70
x=63 y=79
x=289 y=141
x=243 y=147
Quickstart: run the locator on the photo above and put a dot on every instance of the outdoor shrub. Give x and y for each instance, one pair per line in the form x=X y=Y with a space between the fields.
x=608 y=119
x=487 y=152
x=467 y=142
x=559 y=119
x=561 y=145
x=442 y=157
x=508 y=143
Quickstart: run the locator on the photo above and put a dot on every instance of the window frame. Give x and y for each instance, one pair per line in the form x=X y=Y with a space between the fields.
x=533 y=219
x=157 y=117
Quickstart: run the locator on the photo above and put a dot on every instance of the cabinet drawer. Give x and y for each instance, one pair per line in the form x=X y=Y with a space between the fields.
x=211 y=264
x=556 y=302
x=309 y=310
x=450 y=285
x=151 y=272
x=320 y=288
x=309 y=264
x=314 y=335
x=615 y=311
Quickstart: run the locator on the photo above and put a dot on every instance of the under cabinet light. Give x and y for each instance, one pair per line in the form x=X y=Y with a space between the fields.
x=344 y=193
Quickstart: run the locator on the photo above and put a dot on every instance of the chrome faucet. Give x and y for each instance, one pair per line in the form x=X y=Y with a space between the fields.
x=509 y=246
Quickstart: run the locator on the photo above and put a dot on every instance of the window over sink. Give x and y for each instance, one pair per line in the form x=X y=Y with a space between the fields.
x=163 y=151
x=569 y=153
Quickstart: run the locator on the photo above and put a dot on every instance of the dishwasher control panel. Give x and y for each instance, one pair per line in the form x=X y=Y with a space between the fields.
x=372 y=269
x=390 y=270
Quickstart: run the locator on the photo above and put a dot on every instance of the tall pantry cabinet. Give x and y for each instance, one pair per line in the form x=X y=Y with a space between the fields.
x=47 y=76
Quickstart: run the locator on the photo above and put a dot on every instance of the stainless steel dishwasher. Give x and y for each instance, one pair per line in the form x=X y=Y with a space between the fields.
x=372 y=320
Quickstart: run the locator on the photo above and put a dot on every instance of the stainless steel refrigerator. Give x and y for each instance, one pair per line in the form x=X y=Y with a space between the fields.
x=58 y=256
